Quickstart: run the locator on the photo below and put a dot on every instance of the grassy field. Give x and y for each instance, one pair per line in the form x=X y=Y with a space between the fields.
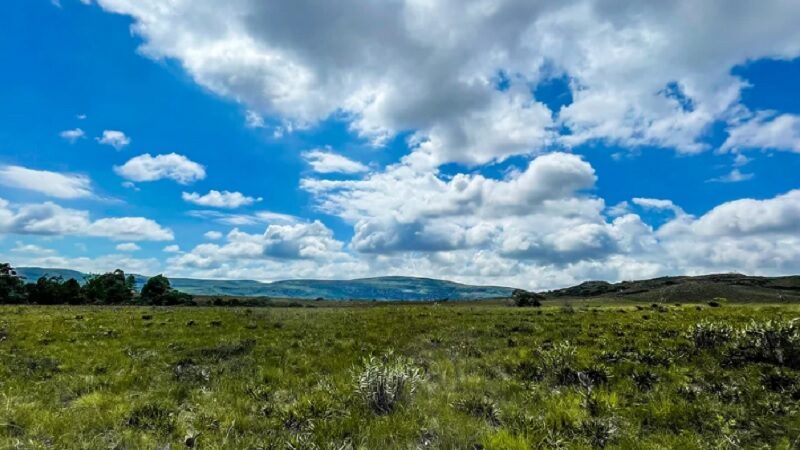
x=447 y=376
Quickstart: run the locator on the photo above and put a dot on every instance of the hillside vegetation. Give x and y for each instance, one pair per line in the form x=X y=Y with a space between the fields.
x=420 y=376
x=733 y=287
x=379 y=288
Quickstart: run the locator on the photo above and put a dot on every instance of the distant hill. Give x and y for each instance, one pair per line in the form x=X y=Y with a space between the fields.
x=379 y=288
x=733 y=287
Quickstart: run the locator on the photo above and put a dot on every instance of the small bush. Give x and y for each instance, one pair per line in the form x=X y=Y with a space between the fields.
x=772 y=342
x=386 y=382
x=524 y=298
x=708 y=334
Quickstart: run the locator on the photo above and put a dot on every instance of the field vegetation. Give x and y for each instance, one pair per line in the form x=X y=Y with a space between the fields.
x=364 y=375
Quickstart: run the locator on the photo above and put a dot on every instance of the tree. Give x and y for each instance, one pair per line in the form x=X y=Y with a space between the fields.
x=46 y=290
x=155 y=288
x=158 y=291
x=524 y=298
x=12 y=288
x=71 y=292
x=109 y=288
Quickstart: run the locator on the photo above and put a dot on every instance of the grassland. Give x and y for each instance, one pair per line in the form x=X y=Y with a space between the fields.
x=475 y=377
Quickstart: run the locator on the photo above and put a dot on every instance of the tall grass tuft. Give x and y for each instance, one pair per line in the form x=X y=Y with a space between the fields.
x=386 y=382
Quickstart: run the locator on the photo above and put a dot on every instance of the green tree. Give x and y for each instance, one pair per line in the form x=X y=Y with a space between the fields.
x=158 y=291
x=109 y=288
x=71 y=292
x=46 y=291
x=12 y=288
x=154 y=289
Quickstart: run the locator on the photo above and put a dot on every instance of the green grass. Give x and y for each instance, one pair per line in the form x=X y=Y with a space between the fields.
x=489 y=376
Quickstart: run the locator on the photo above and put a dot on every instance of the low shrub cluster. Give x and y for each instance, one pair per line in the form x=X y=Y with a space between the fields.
x=774 y=342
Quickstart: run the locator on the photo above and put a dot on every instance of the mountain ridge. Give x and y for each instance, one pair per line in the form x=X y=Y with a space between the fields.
x=381 y=288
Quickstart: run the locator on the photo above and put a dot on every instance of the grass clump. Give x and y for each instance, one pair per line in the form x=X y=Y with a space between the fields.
x=708 y=334
x=385 y=382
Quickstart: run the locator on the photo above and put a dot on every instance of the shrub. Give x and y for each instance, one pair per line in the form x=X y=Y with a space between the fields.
x=772 y=342
x=524 y=298
x=708 y=334
x=386 y=382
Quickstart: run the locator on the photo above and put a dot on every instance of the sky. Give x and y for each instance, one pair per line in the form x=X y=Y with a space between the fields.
x=504 y=142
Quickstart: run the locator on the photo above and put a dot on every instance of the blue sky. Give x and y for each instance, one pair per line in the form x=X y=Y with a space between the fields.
x=364 y=150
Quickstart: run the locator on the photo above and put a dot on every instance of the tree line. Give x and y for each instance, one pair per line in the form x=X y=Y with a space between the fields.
x=112 y=288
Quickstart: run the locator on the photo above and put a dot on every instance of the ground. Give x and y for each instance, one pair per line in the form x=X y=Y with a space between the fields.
x=442 y=376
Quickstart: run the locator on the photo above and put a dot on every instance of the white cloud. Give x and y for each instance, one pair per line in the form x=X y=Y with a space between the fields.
x=749 y=216
x=114 y=138
x=169 y=166
x=51 y=219
x=128 y=247
x=326 y=161
x=132 y=228
x=302 y=241
x=243 y=219
x=213 y=235
x=32 y=250
x=174 y=248
x=640 y=73
x=53 y=184
x=766 y=131
x=72 y=136
x=657 y=203
x=253 y=119
x=217 y=199
x=734 y=176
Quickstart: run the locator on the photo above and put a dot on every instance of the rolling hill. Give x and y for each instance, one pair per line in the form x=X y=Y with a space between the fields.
x=734 y=287
x=379 y=288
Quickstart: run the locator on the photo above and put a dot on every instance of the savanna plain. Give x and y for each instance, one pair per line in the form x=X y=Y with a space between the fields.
x=369 y=375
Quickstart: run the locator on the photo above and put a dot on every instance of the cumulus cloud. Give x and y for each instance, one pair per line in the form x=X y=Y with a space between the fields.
x=326 y=161
x=133 y=228
x=128 y=247
x=174 y=248
x=114 y=138
x=50 y=219
x=640 y=73
x=766 y=131
x=217 y=199
x=72 y=136
x=657 y=203
x=52 y=184
x=302 y=241
x=213 y=235
x=169 y=166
